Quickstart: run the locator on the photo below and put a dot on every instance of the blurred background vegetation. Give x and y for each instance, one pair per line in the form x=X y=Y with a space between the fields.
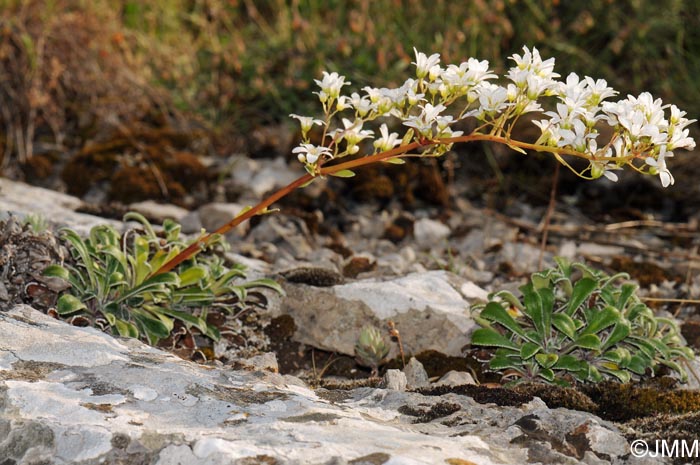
x=203 y=74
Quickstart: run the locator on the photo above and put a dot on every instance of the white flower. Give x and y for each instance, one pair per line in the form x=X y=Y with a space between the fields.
x=576 y=137
x=330 y=86
x=343 y=103
x=659 y=166
x=681 y=140
x=309 y=153
x=362 y=105
x=306 y=122
x=424 y=63
x=532 y=61
x=352 y=132
x=599 y=168
x=424 y=122
x=599 y=91
x=435 y=72
x=387 y=141
x=492 y=100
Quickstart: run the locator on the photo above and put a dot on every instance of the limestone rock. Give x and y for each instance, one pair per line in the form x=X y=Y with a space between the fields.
x=429 y=310
x=394 y=380
x=430 y=233
x=76 y=395
x=58 y=208
x=455 y=378
x=416 y=376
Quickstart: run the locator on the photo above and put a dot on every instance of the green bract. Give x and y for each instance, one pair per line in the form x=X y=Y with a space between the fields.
x=577 y=324
x=370 y=348
x=112 y=278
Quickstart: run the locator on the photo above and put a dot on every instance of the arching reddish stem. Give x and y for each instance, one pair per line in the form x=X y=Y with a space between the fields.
x=197 y=245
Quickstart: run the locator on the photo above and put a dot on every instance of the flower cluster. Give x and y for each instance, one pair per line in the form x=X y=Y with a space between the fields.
x=645 y=132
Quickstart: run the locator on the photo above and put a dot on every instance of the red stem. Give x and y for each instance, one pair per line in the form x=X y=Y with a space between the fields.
x=198 y=244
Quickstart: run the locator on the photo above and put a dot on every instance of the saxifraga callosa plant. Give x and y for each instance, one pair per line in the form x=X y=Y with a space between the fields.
x=644 y=131
x=112 y=280
x=577 y=324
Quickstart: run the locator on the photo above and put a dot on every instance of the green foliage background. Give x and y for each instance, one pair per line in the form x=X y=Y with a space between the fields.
x=240 y=63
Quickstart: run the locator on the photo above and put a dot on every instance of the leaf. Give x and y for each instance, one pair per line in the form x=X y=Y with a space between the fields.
x=626 y=291
x=502 y=362
x=68 y=304
x=264 y=282
x=192 y=275
x=517 y=149
x=56 y=271
x=534 y=309
x=569 y=363
x=83 y=252
x=643 y=345
x=125 y=328
x=623 y=375
x=638 y=364
x=496 y=313
x=343 y=174
x=528 y=350
x=154 y=282
x=138 y=217
x=546 y=360
x=547 y=297
x=187 y=318
x=310 y=181
x=408 y=137
x=489 y=337
x=565 y=324
x=154 y=328
x=677 y=368
x=582 y=290
x=588 y=341
x=395 y=161
x=547 y=374
x=601 y=319
x=619 y=332
x=510 y=298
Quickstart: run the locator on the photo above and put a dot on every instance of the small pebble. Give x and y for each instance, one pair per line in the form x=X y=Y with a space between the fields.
x=416 y=376
x=455 y=378
x=394 y=380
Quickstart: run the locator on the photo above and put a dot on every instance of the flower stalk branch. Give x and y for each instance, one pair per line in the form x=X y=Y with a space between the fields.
x=643 y=137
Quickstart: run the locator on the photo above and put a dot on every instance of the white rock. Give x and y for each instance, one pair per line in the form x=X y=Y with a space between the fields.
x=214 y=416
x=395 y=380
x=216 y=214
x=428 y=309
x=430 y=233
x=455 y=378
x=22 y=199
x=159 y=211
x=416 y=376
x=262 y=176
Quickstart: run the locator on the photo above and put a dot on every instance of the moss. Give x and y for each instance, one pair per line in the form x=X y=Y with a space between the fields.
x=358 y=265
x=428 y=413
x=88 y=168
x=691 y=332
x=556 y=396
x=313 y=276
x=646 y=273
x=377 y=458
x=622 y=402
x=482 y=394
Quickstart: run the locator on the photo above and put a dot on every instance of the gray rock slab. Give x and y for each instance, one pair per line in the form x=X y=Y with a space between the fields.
x=23 y=199
x=430 y=310
x=75 y=395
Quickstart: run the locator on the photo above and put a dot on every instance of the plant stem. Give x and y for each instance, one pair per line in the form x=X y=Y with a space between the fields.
x=397 y=152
